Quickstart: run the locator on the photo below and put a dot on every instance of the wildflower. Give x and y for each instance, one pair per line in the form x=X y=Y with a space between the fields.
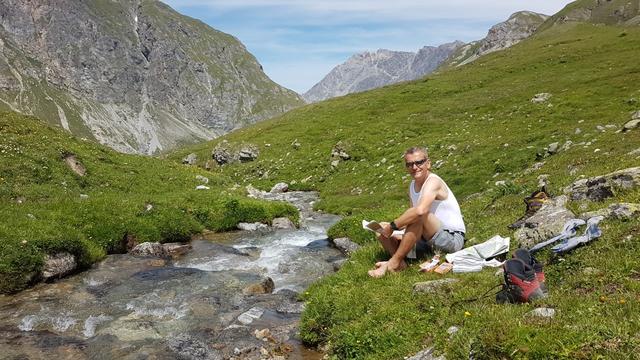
x=621 y=301
x=466 y=313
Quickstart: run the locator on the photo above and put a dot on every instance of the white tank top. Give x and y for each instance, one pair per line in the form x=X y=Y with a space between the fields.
x=447 y=211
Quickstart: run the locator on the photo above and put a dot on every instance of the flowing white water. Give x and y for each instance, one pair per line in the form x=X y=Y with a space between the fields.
x=192 y=307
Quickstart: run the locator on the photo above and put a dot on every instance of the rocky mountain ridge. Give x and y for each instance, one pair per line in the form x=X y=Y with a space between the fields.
x=370 y=70
x=132 y=74
x=517 y=27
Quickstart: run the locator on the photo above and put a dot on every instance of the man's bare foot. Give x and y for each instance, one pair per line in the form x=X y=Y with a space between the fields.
x=380 y=263
x=383 y=266
x=393 y=265
x=379 y=271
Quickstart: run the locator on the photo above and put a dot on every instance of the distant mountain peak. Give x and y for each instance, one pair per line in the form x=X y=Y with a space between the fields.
x=371 y=69
x=519 y=26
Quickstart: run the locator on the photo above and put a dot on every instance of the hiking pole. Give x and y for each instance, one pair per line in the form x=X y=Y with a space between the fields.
x=485 y=295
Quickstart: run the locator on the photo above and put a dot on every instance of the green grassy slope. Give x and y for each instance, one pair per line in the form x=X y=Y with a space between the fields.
x=480 y=121
x=42 y=209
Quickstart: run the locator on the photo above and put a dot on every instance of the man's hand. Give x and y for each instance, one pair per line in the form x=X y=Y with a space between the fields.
x=387 y=231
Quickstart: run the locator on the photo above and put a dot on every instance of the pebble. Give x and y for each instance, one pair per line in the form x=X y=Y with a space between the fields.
x=542 y=312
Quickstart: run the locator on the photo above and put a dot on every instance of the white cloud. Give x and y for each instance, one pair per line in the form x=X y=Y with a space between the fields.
x=341 y=10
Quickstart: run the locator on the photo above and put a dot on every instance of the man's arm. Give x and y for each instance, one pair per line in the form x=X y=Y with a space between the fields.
x=429 y=193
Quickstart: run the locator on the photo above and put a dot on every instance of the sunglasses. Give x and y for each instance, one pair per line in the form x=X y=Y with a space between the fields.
x=418 y=163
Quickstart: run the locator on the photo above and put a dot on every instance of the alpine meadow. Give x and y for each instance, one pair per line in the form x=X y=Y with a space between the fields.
x=480 y=121
x=560 y=107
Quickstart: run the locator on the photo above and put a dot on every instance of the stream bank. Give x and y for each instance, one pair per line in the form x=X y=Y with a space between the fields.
x=233 y=296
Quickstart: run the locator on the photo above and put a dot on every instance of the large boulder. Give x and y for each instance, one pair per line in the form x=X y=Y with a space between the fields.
x=633 y=123
x=248 y=152
x=250 y=315
x=545 y=223
x=540 y=98
x=622 y=211
x=148 y=249
x=75 y=165
x=601 y=187
x=190 y=159
x=265 y=286
x=282 y=223
x=345 y=245
x=255 y=193
x=221 y=154
x=58 y=265
x=156 y=249
x=185 y=346
x=279 y=188
x=428 y=287
x=175 y=249
x=339 y=152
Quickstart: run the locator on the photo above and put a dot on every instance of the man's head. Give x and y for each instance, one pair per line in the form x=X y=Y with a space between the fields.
x=417 y=161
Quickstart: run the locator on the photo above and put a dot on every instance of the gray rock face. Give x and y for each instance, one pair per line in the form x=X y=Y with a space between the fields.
x=175 y=249
x=58 y=265
x=279 y=188
x=428 y=287
x=249 y=316
x=345 y=245
x=134 y=75
x=189 y=347
x=148 y=249
x=542 y=312
x=540 y=98
x=545 y=223
x=426 y=354
x=248 y=153
x=601 y=187
x=190 y=159
x=75 y=165
x=368 y=70
x=623 y=211
x=282 y=223
x=225 y=153
x=518 y=27
x=631 y=124
x=156 y=249
x=338 y=152
x=221 y=154
x=265 y=286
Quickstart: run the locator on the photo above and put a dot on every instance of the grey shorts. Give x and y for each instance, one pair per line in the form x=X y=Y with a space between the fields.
x=444 y=241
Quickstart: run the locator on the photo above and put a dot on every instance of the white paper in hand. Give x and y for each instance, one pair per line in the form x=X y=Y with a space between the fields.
x=376 y=227
x=372 y=226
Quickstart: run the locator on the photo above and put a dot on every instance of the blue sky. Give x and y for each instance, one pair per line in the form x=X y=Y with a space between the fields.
x=299 y=41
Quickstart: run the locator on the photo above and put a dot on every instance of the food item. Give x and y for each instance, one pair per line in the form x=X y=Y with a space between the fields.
x=444 y=268
x=429 y=266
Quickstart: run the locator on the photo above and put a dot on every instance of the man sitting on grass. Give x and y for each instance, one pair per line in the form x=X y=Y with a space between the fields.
x=432 y=223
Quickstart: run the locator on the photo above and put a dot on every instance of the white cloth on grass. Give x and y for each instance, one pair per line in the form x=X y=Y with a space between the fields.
x=474 y=258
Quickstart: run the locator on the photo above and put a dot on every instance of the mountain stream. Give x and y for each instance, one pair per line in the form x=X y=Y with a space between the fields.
x=198 y=306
